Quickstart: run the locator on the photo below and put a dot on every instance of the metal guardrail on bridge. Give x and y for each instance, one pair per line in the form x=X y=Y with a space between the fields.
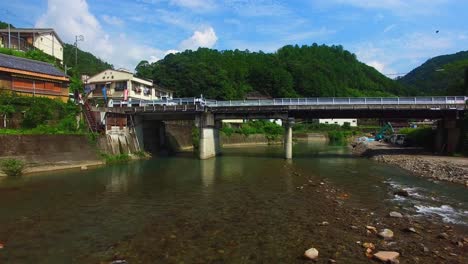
x=449 y=100
x=317 y=101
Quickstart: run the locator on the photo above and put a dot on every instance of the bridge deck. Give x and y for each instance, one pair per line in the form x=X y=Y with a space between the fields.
x=415 y=107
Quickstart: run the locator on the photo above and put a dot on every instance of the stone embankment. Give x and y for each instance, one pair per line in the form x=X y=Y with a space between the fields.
x=440 y=168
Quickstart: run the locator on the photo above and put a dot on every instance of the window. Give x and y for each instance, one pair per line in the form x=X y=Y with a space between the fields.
x=120 y=86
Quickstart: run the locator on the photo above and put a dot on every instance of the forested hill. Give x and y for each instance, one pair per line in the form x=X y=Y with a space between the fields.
x=87 y=63
x=442 y=75
x=292 y=71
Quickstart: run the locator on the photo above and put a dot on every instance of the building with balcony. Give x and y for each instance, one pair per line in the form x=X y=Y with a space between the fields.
x=32 y=78
x=124 y=86
x=24 y=39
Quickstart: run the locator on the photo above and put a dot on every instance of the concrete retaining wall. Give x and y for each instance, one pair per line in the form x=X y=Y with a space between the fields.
x=47 y=148
x=239 y=139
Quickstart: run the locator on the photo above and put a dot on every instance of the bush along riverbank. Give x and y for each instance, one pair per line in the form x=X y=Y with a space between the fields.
x=254 y=130
x=337 y=135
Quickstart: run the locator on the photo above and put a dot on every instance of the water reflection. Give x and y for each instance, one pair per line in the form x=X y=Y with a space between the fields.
x=243 y=200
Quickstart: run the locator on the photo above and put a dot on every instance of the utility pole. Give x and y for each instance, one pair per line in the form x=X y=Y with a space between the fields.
x=77 y=38
x=9 y=36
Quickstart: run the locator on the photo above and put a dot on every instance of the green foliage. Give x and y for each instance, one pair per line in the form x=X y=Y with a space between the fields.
x=346 y=126
x=142 y=154
x=76 y=84
x=87 y=63
x=4 y=25
x=311 y=127
x=271 y=130
x=442 y=75
x=33 y=54
x=12 y=167
x=421 y=137
x=113 y=159
x=227 y=130
x=292 y=71
x=41 y=115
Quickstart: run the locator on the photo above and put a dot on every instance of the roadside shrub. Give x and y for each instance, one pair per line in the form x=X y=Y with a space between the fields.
x=12 y=167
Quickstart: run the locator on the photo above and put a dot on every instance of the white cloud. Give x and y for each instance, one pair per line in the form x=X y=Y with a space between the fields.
x=205 y=38
x=402 y=54
x=389 y=28
x=112 y=20
x=120 y=50
x=377 y=65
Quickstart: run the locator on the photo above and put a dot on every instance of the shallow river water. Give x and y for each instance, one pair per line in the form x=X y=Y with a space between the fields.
x=242 y=207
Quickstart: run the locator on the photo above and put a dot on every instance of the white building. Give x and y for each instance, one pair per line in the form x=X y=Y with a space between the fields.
x=123 y=85
x=45 y=39
x=339 y=121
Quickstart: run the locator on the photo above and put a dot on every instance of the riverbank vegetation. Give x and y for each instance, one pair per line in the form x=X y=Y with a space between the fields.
x=12 y=167
x=419 y=137
x=38 y=115
x=271 y=130
x=113 y=159
x=337 y=135
x=292 y=71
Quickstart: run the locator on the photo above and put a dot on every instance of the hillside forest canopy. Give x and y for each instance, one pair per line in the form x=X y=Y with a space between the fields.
x=292 y=71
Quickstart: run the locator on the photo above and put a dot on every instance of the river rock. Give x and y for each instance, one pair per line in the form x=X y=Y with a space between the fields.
x=372 y=229
x=443 y=235
x=396 y=214
x=401 y=193
x=311 y=253
x=84 y=167
x=386 y=234
x=387 y=256
x=410 y=230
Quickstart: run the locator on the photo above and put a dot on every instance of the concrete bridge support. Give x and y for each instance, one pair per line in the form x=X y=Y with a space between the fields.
x=288 y=124
x=209 y=145
x=448 y=136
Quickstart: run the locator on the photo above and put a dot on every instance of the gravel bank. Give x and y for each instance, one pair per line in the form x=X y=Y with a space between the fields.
x=441 y=168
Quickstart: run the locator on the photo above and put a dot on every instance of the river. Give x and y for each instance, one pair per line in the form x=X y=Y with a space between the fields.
x=247 y=206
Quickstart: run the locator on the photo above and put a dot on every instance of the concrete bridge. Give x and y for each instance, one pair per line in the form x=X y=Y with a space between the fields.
x=208 y=114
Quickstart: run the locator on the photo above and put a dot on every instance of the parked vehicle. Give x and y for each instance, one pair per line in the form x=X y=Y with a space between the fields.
x=398 y=139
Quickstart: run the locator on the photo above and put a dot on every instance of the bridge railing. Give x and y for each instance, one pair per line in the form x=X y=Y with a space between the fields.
x=448 y=100
x=438 y=100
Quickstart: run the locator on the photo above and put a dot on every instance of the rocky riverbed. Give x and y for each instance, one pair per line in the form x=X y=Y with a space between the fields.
x=344 y=234
x=439 y=168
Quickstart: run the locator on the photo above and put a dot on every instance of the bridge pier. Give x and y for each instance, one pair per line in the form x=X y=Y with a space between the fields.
x=288 y=124
x=448 y=136
x=209 y=145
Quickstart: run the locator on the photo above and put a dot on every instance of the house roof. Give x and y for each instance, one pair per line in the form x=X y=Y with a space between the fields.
x=33 y=30
x=22 y=64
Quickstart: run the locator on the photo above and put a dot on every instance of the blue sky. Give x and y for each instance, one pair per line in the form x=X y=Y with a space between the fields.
x=394 y=36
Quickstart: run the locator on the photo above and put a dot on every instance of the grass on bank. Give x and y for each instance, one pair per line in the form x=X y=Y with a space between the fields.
x=12 y=167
